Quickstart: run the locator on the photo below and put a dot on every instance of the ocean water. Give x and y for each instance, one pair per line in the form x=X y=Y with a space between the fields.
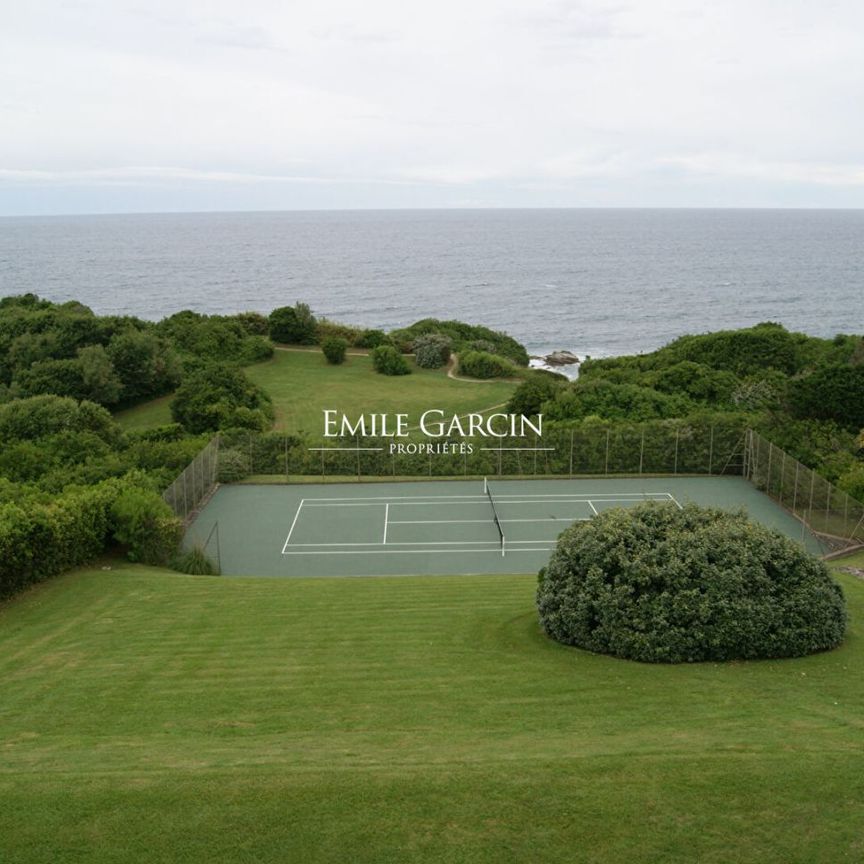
x=598 y=282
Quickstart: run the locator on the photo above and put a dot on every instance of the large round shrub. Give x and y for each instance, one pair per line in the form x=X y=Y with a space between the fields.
x=663 y=585
x=334 y=348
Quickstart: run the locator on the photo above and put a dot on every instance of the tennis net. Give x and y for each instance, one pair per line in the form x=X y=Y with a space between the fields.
x=495 y=515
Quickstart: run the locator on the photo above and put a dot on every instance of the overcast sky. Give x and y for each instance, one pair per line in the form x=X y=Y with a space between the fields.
x=146 y=105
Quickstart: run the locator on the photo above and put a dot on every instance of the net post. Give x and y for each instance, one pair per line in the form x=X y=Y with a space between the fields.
x=503 y=545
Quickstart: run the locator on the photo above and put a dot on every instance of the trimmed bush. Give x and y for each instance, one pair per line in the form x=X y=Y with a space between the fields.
x=666 y=585
x=334 y=348
x=479 y=364
x=432 y=351
x=388 y=361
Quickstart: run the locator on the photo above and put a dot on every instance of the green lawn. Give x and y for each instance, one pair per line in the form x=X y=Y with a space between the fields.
x=302 y=384
x=156 y=412
x=153 y=717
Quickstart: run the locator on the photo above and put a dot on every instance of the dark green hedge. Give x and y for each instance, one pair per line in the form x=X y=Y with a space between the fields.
x=664 y=585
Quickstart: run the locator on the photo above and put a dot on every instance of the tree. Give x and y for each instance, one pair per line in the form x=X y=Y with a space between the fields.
x=99 y=380
x=529 y=396
x=220 y=397
x=145 y=363
x=295 y=325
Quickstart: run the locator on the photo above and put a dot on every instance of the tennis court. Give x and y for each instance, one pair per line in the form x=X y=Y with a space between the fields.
x=446 y=527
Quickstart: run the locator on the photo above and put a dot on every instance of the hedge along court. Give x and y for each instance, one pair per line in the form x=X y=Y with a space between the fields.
x=439 y=527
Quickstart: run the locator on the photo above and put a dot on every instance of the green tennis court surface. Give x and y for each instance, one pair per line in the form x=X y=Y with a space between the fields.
x=455 y=527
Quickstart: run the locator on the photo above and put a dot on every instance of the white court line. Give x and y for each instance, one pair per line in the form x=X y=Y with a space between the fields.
x=386 y=517
x=593 y=508
x=484 y=502
x=498 y=497
x=415 y=551
x=484 y=521
x=291 y=529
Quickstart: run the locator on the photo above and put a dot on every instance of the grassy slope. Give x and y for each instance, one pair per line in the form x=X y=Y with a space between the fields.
x=154 y=717
x=302 y=384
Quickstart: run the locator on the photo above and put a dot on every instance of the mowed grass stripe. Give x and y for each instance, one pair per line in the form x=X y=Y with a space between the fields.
x=151 y=716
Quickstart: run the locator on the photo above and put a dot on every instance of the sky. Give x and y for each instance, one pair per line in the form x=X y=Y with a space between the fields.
x=150 y=106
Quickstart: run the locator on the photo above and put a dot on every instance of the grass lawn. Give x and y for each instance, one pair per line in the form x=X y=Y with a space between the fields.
x=156 y=412
x=153 y=717
x=302 y=384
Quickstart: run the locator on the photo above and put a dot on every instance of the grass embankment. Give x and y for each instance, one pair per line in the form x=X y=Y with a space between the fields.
x=302 y=384
x=162 y=718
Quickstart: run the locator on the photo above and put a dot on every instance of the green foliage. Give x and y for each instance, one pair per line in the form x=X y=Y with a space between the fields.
x=200 y=339
x=145 y=524
x=325 y=329
x=233 y=465
x=852 y=481
x=220 y=397
x=530 y=395
x=195 y=562
x=663 y=585
x=334 y=348
x=294 y=325
x=479 y=364
x=601 y=398
x=697 y=381
x=462 y=335
x=371 y=339
x=834 y=392
x=432 y=350
x=145 y=363
x=386 y=360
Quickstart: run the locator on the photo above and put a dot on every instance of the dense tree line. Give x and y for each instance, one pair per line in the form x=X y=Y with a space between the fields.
x=806 y=394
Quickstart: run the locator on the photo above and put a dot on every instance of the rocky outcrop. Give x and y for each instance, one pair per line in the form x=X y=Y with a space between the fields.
x=559 y=358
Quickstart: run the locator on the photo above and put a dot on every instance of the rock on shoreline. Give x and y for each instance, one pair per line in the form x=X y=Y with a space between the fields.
x=559 y=358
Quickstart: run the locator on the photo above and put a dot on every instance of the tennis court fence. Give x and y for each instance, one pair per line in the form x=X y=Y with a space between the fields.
x=830 y=513
x=190 y=491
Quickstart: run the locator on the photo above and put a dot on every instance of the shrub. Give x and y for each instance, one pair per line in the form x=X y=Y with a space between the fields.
x=145 y=523
x=371 y=339
x=293 y=324
x=195 y=562
x=233 y=466
x=334 y=348
x=462 y=336
x=432 y=350
x=479 y=364
x=388 y=361
x=666 y=585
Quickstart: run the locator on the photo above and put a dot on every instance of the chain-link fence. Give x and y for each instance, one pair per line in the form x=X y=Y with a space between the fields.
x=830 y=513
x=656 y=447
x=190 y=491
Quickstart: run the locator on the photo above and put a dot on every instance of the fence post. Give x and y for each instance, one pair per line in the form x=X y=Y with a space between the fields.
x=572 y=431
x=677 y=434
x=642 y=450
x=606 y=468
x=711 y=452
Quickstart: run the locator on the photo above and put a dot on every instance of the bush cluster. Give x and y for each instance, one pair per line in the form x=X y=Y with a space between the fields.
x=664 y=585
x=40 y=537
x=388 y=361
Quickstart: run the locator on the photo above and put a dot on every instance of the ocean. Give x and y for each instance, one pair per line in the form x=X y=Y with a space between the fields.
x=597 y=282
